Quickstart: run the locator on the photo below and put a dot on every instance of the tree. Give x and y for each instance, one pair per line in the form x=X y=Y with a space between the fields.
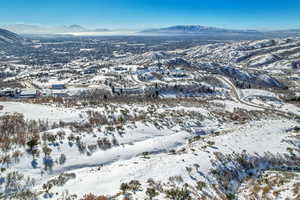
x=32 y=143
x=200 y=185
x=6 y=159
x=62 y=159
x=47 y=187
x=134 y=185
x=124 y=187
x=48 y=163
x=151 y=192
x=115 y=141
x=35 y=152
x=47 y=151
x=16 y=156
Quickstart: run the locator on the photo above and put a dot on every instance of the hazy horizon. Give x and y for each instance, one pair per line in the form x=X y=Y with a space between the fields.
x=138 y=29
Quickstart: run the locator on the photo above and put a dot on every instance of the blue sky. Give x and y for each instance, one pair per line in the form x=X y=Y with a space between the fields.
x=138 y=14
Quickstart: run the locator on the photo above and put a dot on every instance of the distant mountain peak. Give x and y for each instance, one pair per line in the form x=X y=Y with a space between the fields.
x=184 y=29
x=75 y=26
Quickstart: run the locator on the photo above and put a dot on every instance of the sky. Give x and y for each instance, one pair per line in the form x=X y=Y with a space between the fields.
x=140 y=14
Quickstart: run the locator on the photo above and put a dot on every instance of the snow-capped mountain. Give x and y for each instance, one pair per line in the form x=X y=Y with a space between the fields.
x=214 y=31
x=189 y=29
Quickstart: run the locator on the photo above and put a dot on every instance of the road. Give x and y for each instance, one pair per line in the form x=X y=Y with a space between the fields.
x=236 y=95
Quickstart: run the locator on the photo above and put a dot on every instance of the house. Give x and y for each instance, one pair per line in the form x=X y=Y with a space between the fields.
x=58 y=86
x=8 y=92
x=30 y=93
x=59 y=93
x=120 y=68
x=179 y=75
x=129 y=91
x=90 y=70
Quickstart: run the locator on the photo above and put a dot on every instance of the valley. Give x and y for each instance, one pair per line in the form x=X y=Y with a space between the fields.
x=149 y=117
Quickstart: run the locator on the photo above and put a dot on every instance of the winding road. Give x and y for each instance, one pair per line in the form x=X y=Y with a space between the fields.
x=236 y=95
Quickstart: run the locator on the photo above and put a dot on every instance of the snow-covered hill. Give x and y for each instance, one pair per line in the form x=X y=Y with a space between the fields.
x=7 y=37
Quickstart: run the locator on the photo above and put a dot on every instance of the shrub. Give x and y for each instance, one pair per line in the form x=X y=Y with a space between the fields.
x=27 y=195
x=151 y=192
x=200 y=185
x=134 y=185
x=124 y=187
x=16 y=156
x=178 y=194
x=297 y=128
x=6 y=160
x=62 y=179
x=94 y=197
x=230 y=196
x=115 y=141
x=47 y=150
x=16 y=187
x=104 y=143
x=231 y=170
x=81 y=146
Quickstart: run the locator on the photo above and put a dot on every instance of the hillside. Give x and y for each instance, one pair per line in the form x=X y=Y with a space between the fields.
x=7 y=37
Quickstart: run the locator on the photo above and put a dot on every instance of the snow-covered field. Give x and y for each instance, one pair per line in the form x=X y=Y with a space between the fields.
x=42 y=112
x=162 y=166
x=256 y=92
x=145 y=150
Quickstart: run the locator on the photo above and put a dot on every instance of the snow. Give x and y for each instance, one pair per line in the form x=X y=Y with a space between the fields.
x=231 y=105
x=290 y=108
x=102 y=172
x=108 y=179
x=195 y=109
x=263 y=60
x=246 y=93
x=42 y=112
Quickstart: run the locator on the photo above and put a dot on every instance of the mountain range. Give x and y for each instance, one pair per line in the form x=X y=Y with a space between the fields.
x=188 y=29
x=218 y=32
x=205 y=32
